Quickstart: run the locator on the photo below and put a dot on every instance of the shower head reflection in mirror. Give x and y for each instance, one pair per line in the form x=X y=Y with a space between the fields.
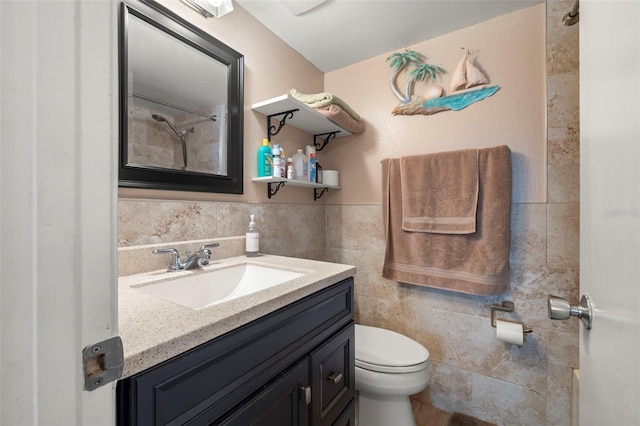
x=181 y=135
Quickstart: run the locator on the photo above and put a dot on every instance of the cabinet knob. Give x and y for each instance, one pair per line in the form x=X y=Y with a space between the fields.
x=306 y=394
x=335 y=378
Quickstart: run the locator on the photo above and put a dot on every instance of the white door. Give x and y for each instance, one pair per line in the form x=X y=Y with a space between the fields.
x=58 y=98
x=610 y=210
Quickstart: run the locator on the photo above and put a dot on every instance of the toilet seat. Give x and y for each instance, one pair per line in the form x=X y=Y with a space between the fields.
x=386 y=351
x=392 y=370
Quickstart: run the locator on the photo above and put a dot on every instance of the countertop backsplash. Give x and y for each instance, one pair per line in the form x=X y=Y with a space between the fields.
x=140 y=259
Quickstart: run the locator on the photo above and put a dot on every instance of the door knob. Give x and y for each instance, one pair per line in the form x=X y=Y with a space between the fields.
x=560 y=309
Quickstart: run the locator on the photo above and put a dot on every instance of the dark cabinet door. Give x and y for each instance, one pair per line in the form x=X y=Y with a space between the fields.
x=332 y=377
x=348 y=416
x=282 y=402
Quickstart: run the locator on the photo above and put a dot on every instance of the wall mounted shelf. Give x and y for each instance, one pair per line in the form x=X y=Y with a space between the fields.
x=302 y=116
x=274 y=185
x=288 y=110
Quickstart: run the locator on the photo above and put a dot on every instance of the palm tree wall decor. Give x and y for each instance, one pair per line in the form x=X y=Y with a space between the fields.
x=433 y=101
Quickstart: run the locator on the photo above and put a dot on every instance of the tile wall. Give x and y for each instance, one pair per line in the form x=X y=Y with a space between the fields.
x=287 y=230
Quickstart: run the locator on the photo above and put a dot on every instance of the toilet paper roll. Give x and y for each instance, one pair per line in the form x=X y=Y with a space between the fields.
x=330 y=177
x=510 y=332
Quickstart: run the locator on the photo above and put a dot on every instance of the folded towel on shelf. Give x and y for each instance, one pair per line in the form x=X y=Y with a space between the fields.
x=440 y=192
x=318 y=100
x=476 y=263
x=339 y=116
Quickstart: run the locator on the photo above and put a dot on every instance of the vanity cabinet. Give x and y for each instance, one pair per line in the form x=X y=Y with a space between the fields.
x=294 y=366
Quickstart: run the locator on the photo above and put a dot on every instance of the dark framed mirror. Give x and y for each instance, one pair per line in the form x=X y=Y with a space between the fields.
x=181 y=104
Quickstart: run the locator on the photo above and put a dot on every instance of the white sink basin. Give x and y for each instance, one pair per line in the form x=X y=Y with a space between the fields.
x=207 y=289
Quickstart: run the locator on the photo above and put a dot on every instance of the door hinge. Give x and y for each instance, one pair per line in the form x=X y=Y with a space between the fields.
x=102 y=363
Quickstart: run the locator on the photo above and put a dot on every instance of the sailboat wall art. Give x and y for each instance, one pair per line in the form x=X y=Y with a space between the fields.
x=468 y=85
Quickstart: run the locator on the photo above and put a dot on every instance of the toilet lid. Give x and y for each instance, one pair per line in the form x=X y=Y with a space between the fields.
x=383 y=350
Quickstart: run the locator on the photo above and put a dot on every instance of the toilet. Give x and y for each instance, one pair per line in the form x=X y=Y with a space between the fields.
x=389 y=368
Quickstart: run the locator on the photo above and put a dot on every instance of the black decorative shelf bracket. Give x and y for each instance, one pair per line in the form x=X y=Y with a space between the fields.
x=273 y=130
x=271 y=192
x=330 y=135
x=317 y=195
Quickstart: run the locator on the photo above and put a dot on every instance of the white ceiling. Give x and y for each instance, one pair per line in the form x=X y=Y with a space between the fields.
x=338 y=33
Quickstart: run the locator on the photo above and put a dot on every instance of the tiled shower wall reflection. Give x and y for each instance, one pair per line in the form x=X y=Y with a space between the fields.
x=473 y=373
x=153 y=143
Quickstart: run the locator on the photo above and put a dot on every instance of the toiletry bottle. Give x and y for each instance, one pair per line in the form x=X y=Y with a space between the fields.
x=277 y=161
x=311 y=154
x=291 y=172
x=300 y=163
x=312 y=167
x=283 y=163
x=264 y=159
x=252 y=245
x=309 y=149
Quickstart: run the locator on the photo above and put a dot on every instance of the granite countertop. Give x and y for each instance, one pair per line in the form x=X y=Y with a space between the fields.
x=154 y=330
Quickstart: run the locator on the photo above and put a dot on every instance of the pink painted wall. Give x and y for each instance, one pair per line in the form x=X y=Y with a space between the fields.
x=511 y=49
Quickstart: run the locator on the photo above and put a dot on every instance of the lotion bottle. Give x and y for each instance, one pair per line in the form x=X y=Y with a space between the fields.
x=283 y=163
x=277 y=162
x=291 y=170
x=252 y=246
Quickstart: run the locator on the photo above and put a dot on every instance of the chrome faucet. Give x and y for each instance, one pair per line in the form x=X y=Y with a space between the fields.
x=196 y=260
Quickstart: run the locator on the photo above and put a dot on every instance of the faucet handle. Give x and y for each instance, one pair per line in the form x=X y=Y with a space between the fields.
x=175 y=264
x=206 y=252
x=209 y=246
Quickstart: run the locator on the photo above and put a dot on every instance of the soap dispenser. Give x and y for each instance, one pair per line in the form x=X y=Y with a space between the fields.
x=252 y=245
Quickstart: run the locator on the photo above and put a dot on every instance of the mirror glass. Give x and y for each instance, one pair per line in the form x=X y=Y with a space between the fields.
x=181 y=104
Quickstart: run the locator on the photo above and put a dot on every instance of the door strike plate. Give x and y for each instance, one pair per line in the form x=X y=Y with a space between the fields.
x=102 y=363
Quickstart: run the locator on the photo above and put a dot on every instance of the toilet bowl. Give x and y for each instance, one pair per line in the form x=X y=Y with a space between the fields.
x=389 y=368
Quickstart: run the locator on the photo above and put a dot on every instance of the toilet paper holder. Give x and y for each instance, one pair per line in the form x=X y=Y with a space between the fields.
x=504 y=306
